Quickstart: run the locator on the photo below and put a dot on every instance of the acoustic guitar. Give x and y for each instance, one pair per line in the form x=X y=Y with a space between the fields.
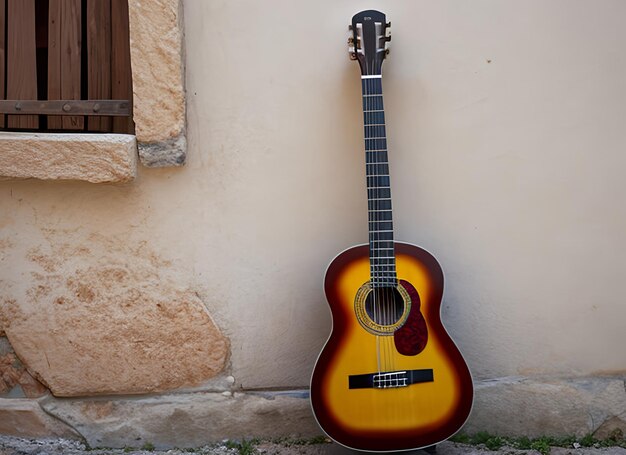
x=389 y=378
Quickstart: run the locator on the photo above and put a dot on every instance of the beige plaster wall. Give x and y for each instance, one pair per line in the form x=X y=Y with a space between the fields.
x=505 y=124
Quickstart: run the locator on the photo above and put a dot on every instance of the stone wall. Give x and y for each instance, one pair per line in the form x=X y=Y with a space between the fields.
x=185 y=305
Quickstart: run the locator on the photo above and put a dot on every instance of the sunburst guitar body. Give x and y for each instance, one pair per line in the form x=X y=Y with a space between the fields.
x=389 y=378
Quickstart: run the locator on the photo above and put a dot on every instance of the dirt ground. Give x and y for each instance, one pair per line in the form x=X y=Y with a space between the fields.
x=20 y=446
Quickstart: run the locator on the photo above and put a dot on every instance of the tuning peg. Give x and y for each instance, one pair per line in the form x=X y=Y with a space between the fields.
x=387 y=38
x=351 y=41
x=388 y=24
x=350 y=27
x=352 y=55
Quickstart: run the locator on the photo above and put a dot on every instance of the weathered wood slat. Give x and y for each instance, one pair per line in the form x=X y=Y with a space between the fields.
x=2 y=55
x=64 y=59
x=98 y=108
x=120 y=62
x=54 y=59
x=99 y=58
x=21 y=59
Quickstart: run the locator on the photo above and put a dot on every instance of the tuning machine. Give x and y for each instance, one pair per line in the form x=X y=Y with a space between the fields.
x=387 y=37
x=354 y=44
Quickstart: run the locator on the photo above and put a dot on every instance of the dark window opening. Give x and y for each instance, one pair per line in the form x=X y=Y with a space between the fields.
x=65 y=66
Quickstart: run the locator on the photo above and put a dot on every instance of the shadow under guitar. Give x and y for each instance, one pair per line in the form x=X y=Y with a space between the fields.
x=338 y=449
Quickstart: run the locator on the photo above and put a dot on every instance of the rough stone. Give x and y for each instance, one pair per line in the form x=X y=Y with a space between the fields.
x=161 y=154
x=186 y=420
x=102 y=318
x=556 y=407
x=158 y=90
x=24 y=417
x=14 y=379
x=96 y=158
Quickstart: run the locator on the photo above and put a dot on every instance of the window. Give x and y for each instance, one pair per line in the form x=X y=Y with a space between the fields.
x=65 y=66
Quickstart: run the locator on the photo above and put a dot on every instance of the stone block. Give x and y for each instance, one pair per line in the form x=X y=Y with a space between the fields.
x=186 y=420
x=96 y=158
x=98 y=318
x=15 y=380
x=24 y=417
x=548 y=406
x=158 y=83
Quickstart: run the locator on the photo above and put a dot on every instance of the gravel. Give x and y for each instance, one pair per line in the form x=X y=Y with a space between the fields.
x=10 y=445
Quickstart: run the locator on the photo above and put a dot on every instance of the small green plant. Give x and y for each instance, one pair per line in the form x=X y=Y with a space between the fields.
x=541 y=445
x=494 y=443
x=588 y=441
x=289 y=442
x=148 y=446
x=523 y=443
x=245 y=447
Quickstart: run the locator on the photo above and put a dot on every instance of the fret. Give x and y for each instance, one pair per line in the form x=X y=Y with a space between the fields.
x=377 y=181
x=376 y=150
x=381 y=211
x=371 y=116
x=374 y=131
x=371 y=102
x=372 y=86
x=382 y=224
x=381 y=169
x=379 y=216
x=375 y=194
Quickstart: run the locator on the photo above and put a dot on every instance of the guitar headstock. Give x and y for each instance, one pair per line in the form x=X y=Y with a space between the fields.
x=370 y=34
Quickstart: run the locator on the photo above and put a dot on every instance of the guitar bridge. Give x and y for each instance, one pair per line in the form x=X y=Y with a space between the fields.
x=389 y=380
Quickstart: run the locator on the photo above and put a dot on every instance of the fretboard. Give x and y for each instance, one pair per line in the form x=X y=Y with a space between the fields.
x=382 y=257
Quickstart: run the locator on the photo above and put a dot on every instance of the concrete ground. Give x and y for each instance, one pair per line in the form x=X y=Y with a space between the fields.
x=21 y=446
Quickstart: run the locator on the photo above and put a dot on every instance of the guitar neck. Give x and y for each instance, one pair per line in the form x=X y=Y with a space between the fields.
x=382 y=257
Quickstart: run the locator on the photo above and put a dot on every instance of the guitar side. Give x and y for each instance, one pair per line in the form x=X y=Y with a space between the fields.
x=388 y=419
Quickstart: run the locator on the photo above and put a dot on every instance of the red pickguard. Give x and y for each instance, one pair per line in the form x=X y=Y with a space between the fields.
x=411 y=338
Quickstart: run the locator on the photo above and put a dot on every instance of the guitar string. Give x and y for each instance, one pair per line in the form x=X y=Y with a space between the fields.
x=381 y=269
x=376 y=312
x=371 y=216
x=384 y=270
x=374 y=193
x=375 y=206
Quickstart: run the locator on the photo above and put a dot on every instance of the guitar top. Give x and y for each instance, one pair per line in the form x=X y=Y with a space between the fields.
x=389 y=378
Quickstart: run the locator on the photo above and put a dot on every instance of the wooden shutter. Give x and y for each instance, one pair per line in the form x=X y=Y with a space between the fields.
x=83 y=60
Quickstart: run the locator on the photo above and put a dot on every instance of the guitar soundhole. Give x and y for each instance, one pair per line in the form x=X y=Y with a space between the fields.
x=385 y=305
